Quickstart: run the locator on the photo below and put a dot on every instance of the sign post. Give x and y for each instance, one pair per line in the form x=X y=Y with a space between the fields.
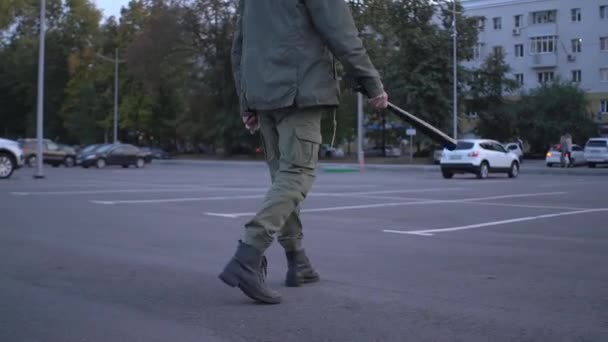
x=411 y=132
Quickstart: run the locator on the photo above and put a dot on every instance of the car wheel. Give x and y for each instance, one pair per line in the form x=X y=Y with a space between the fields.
x=592 y=165
x=549 y=164
x=484 y=170
x=69 y=162
x=140 y=163
x=7 y=165
x=125 y=166
x=447 y=174
x=101 y=163
x=514 y=170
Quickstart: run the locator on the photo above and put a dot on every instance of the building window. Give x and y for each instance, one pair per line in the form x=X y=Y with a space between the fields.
x=544 y=44
x=576 y=14
x=481 y=24
x=604 y=43
x=519 y=50
x=497 y=23
x=576 y=76
x=604 y=106
x=604 y=12
x=604 y=75
x=520 y=79
x=543 y=17
x=518 y=20
x=498 y=50
x=576 y=45
x=478 y=51
x=545 y=76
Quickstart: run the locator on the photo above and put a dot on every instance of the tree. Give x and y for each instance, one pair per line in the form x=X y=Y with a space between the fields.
x=547 y=112
x=487 y=87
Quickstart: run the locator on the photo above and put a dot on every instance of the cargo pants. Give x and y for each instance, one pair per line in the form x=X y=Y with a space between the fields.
x=291 y=138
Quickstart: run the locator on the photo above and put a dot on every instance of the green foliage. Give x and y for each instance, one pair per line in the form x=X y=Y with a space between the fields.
x=547 y=112
x=487 y=87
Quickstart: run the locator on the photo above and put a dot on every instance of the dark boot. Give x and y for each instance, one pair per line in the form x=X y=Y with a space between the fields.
x=299 y=270
x=247 y=271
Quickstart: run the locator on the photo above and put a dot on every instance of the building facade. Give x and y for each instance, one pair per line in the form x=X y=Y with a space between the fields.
x=544 y=39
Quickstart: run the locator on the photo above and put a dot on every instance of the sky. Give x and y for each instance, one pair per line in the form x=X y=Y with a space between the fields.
x=111 y=7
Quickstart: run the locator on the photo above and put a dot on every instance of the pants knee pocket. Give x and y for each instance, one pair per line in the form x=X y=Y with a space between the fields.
x=306 y=148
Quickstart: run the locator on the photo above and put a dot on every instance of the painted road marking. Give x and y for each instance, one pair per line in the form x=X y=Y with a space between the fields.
x=236 y=197
x=431 y=232
x=396 y=204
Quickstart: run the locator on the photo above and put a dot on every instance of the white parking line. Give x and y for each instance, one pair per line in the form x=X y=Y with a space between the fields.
x=224 y=198
x=531 y=206
x=177 y=200
x=431 y=232
x=395 y=204
x=175 y=188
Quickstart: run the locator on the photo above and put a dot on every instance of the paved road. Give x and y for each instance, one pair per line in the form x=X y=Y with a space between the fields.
x=133 y=255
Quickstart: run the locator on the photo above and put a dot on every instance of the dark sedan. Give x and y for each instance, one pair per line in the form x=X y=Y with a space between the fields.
x=124 y=155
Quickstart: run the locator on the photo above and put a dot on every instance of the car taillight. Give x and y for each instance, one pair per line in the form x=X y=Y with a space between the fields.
x=473 y=154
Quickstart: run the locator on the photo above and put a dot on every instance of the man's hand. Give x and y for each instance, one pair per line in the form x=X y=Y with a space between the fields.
x=251 y=122
x=379 y=102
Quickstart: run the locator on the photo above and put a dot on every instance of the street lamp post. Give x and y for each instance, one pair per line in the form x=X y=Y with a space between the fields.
x=116 y=62
x=455 y=77
x=116 y=96
x=40 y=101
x=360 y=153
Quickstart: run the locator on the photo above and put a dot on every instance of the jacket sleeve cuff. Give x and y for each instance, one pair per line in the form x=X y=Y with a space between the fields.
x=372 y=86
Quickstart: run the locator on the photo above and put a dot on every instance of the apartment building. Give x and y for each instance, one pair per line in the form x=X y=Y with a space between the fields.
x=543 y=39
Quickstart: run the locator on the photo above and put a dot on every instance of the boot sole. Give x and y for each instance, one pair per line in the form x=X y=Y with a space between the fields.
x=299 y=282
x=232 y=281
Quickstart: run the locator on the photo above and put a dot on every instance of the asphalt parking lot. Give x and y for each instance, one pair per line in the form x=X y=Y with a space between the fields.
x=133 y=255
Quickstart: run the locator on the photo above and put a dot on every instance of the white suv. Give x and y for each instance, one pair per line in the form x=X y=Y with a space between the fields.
x=11 y=157
x=596 y=151
x=480 y=157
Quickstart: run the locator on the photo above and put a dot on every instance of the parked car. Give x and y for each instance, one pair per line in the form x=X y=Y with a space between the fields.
x=155 y=152
x=326 y=151
x=376 y=151
x=87 y=151
x=554 y=155
x=596 y=151
x=480 y=157
x=11 y=157
x=124 y=155
x=52 y=153
x=516 y=149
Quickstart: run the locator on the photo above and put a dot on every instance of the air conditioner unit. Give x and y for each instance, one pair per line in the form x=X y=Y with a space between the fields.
x=516 y=31
x=571 y=58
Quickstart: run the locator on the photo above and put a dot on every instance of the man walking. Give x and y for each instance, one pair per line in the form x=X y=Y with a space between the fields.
x=285 y=75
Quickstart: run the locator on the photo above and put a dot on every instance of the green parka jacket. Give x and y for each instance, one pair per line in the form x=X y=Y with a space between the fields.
x=283 y=54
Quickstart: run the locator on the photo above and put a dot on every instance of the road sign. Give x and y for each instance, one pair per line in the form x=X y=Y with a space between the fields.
x=410 y=131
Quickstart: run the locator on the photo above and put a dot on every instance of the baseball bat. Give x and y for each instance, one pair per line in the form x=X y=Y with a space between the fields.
x=423 y=126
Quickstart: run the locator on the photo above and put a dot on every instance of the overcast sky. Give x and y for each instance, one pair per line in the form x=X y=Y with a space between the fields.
x=111 y=7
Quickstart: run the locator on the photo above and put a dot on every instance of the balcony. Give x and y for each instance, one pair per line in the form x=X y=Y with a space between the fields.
x=539 y=30
x=545 y=60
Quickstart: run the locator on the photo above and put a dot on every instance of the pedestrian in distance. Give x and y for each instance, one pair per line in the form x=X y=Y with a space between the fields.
x=284 y=66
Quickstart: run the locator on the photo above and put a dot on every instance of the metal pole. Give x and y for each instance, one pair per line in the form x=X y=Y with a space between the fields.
x=116 y=96
x=455 y=81
x=40 y=105
x=411 y=149
x=360 y=153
